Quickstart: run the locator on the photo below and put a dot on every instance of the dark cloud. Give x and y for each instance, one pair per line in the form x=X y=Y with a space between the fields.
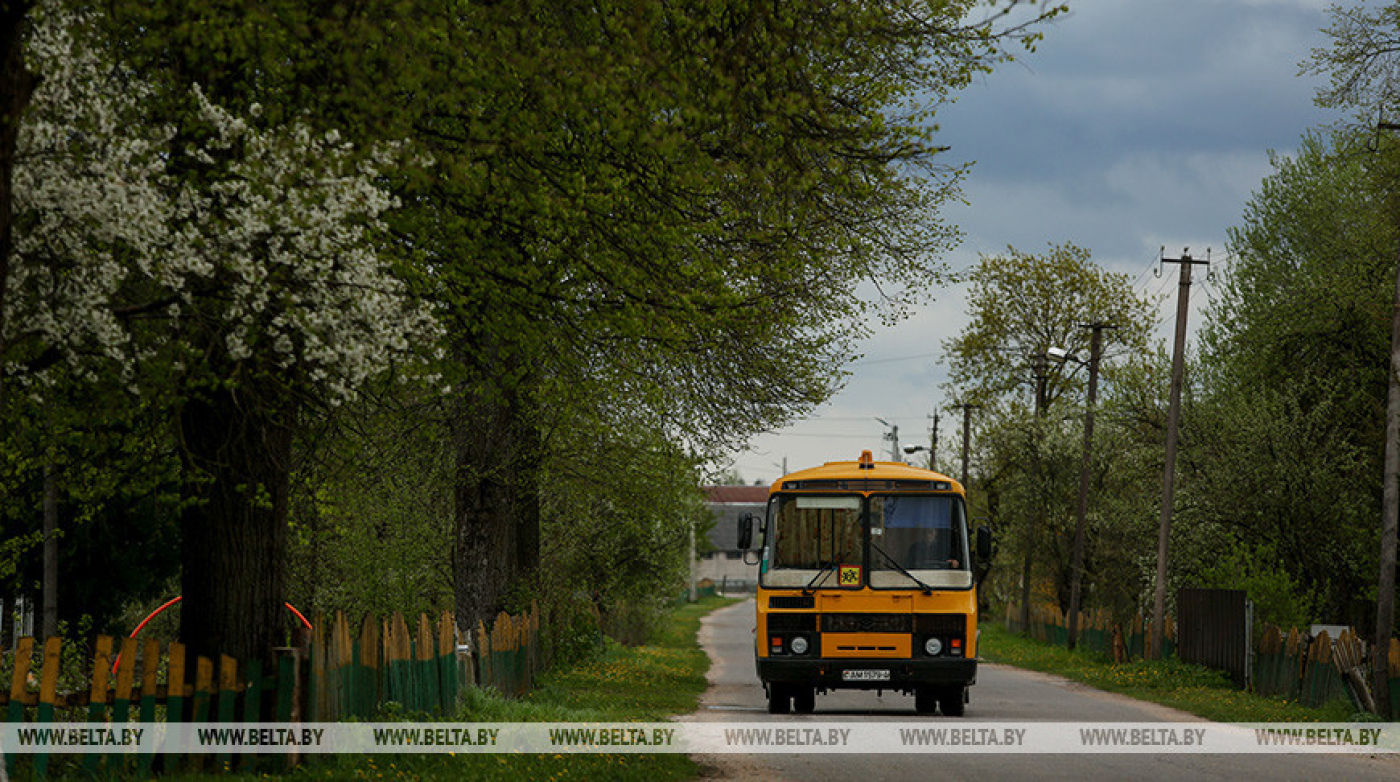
x=1135 y=124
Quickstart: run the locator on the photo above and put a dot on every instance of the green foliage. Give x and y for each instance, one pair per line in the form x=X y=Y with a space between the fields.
x=643 y=228
x=618 y=514
x=1020 y=305
x=1023 y=304
x=371 y=511
x=573 y=629
x=1291 y=467
x=1259 y=571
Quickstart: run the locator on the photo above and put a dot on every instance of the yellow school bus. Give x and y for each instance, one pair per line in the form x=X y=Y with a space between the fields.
x=865 y=582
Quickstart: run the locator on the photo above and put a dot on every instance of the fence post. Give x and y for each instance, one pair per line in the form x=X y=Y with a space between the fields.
x=121 y=697
x=445 y=660
x=369 y=660
x=146 y=712
x=24 y=653
x=288 y=698
x=48 y=690
x=1394 y=679
x=97 y=695
x=175 y=690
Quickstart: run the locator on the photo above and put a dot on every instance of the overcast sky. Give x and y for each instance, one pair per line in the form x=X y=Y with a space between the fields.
x=1135 y=124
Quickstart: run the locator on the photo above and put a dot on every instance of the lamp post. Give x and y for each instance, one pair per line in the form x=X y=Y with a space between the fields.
x=1077 y=567
x=893 y=437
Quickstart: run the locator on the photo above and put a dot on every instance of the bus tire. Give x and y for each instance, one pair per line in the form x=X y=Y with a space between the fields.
x=779 y=699
x=804 y=699
x=925 y=700
x=953 y=701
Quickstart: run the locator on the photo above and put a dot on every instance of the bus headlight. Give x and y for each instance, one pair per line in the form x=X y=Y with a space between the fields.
x=933 y=646
x=798 y=645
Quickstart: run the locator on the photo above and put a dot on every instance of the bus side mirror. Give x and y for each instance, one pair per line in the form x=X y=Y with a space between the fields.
x=746 y=531
x=984 y=555
x=984 y=544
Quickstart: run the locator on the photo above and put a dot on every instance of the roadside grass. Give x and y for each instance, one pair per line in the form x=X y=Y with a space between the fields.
x=1191 y=688
x=648 y=683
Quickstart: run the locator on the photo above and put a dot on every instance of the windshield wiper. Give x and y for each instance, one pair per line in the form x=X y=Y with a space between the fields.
x=928 y=590
x=827 y=568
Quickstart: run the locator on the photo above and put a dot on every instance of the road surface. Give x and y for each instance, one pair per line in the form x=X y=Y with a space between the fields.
x=1002 y=695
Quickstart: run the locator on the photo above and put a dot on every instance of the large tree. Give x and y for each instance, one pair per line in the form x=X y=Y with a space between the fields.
x=1363 y=63
x=671 y=207
x=1306 y=299
x=662 y=207
x=219 y=260
x=1021 y=305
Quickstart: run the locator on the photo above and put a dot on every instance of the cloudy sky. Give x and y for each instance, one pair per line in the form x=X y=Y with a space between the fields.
x=1134 y=125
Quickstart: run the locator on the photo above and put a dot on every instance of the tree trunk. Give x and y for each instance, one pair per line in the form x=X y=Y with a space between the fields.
x=234 y=529
x=16 y=86
x=496 y=530
x=49 y=623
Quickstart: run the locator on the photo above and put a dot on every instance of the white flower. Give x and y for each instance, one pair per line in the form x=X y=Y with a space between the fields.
x=285 y=233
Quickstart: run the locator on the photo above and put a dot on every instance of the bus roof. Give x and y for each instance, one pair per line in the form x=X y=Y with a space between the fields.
x=852 y=470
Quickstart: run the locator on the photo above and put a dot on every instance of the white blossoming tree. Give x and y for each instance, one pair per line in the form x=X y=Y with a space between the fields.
x=233 y=259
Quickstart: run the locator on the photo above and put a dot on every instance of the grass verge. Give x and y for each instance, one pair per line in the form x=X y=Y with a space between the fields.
x=1191 y=688
x=647 y=683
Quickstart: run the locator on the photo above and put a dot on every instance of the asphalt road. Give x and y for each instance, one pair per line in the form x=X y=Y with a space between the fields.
x=1002 y=694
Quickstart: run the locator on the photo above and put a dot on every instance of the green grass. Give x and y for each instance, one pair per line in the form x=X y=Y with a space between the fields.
x=1192 y=688
x=639 y=684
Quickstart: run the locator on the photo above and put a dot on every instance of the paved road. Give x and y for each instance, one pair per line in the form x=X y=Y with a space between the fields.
x=1002 y=694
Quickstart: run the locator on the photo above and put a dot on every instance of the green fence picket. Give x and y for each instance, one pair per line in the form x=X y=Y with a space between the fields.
x=146 y=710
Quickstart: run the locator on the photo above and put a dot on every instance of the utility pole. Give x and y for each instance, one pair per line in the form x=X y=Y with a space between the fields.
x=1077 y=569
x=1159 y=598
x=967 y=441
x=1390 y=512
x=933 y=445
x=1033 y=520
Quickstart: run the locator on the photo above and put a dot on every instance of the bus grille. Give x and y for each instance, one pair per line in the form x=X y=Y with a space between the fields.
x=940 y=624
x=792 y=623
x=867 y=623
x=792 y=601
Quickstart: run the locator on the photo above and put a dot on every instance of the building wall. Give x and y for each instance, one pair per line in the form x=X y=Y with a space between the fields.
x=721 y=561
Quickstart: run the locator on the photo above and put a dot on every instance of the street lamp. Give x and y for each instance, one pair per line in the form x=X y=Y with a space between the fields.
x=913 y=449
x=1077 y=569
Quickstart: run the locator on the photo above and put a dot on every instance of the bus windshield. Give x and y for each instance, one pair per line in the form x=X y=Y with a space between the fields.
x=923 y=535
x=812 y=534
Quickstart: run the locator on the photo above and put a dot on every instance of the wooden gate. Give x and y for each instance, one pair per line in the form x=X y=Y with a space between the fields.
x=1212 y=629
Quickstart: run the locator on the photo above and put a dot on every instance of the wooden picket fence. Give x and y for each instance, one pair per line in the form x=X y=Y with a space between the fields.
x=1097 y=631
x=421 y=669
x=144 y=685
x=1316 y=670
x=386 y=661
x=340 y=674
x=509 y=655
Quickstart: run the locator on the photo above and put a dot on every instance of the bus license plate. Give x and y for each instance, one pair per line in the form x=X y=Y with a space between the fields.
x=866 y=675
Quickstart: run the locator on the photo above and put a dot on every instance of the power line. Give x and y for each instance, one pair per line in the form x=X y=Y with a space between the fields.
x=1141 y=281
x=866 y=362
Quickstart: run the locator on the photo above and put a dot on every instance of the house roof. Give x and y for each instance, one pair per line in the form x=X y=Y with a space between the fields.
x=740 y=494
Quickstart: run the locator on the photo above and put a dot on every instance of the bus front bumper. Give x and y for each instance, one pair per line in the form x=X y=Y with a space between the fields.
x=866 y=674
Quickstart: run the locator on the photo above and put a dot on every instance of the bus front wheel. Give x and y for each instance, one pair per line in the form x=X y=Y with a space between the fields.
x=953 y=701
x=804 y=699
x=779 y=699
x=925 y=700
